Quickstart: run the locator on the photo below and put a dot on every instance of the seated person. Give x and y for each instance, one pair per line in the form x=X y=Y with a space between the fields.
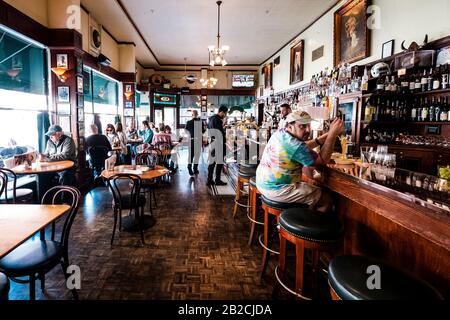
x=59 y=148
x=147 y=133
x=132 y=132
x=112 y=136
x=97 y=147
x=279 y=175
x=164 y=137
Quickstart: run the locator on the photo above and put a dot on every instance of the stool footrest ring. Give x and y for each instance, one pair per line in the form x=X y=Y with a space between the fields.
x=264 y=246
x=242 y=205
x=254 y=221
x=287 y=288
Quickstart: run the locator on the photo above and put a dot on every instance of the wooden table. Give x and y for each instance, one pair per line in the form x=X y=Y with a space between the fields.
x=19 y=222
x=42 y=168
x=159 y=171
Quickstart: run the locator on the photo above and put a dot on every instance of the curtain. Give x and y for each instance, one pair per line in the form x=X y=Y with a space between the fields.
x=43 y=123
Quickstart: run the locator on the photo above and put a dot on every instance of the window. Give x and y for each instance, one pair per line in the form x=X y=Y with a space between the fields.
x=189 y=103
x=101 y=97
x=23 y=88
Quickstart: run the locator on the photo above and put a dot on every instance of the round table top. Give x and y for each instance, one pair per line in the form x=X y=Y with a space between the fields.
x=159 y=171
x=131 y=141
x=44 y=167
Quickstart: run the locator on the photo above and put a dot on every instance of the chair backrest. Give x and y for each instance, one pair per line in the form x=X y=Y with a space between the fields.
x=64 y=195
x=7 y=175
x=133 y=182
x=98 y=154
x=157 y=153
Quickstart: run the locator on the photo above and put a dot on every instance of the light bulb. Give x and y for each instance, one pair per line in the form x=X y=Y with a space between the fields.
x=211 y=63
x=225 y=48
x=224 y=63
x=218 y=59
x=211 y=48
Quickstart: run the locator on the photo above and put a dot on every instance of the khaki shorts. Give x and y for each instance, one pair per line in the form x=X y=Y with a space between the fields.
x=295 y=193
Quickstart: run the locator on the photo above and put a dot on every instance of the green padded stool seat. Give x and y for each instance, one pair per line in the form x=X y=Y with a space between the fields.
x=348 y=277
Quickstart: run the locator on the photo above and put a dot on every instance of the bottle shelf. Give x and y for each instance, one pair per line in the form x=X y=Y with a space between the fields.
x=406 y=123
x=393 y=94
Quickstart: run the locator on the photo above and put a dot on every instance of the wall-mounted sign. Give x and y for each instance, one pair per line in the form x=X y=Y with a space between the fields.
x=162 y=98
x=318 y=53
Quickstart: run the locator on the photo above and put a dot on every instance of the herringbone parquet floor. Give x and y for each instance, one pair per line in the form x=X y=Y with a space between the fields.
x=195 y=251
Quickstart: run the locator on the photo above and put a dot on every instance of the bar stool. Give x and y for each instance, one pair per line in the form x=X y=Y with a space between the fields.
x=273 y=208
x=246 y=172
x=348 y=277
x=4 y=287
x=254 y=196
x=306 y=229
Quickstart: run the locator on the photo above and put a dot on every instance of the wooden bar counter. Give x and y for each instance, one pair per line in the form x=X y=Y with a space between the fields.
x=394 y=227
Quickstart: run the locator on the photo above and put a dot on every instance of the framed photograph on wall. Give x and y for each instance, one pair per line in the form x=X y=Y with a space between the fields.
x=268 y=69
x=351 y=34
x=79 y=66
x=80 y=100
x=388 y=49
x=128 y=88
x=204 y=109
x=297 y=58
x=63 y=95
x=128 y=104
x=62 y=61
x=80 y=115
x=81 y=144
x=128 y=112
x=80 y=86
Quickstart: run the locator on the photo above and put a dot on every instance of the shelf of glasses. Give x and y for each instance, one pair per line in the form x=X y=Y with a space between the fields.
x=394 y=94
x=443 y=123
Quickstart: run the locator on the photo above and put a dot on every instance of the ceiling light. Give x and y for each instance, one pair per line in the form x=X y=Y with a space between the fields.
x=218 y=52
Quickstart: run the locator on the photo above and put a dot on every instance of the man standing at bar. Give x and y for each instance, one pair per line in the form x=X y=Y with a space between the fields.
x=59 y=148
x=279 y=175
x=217 y=132
x=194 y=127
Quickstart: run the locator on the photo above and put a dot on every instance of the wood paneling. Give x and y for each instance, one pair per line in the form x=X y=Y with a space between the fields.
x=386 y=227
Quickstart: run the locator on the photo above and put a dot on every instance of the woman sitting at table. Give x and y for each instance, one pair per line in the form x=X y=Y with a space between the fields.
x=164 y=137
x=112 y=136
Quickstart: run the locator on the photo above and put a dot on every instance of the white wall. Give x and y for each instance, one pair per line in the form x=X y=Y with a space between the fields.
x=401 y=20
x=35 y=9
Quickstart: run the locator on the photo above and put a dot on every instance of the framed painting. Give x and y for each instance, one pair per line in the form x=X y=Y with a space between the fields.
x=268 y=70
x=351 y=34
x=297 y=58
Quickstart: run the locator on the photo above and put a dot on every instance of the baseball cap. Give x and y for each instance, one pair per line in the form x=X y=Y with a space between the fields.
x=53 y=129
x=301 y=117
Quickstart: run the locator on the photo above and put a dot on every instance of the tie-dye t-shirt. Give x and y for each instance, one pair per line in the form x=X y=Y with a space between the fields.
x=282 y=161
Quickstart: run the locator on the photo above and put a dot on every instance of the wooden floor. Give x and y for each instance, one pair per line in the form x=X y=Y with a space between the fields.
x=195 y=251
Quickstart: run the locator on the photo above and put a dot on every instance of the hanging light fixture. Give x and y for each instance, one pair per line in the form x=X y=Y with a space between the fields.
x=217 y=53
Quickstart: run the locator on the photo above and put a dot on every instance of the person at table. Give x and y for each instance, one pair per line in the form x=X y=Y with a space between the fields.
x=216 y=157
x=132 y=132
x=146 y=134
x=279 y=175
x=163 y=137
x=60 y=148
x=196 y=130
x=112 y=136
x=98 y=148
x=285 y=110
x=123 y=141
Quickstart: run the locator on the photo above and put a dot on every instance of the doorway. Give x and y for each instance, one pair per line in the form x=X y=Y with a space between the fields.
x=166 y=115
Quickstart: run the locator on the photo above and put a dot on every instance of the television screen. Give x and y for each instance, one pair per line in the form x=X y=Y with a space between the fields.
x=243 y=80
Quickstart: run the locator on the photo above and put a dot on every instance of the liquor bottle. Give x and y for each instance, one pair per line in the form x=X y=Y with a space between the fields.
x=430 y=80
x=387 y=84
x=445 y=111
x=417 y=85
x=445 y=76
x=419 y=110
x=380 y=84
x=395 y=111
x=368 y=137
x=436 y=79
x=424 y=82
x=431 y=110
x=377 y=116
x=394 y=85
x=365 y=81
x=414 y=111
x=437 y=111
x=404 y=84
x=425 y=109
x=412 y=82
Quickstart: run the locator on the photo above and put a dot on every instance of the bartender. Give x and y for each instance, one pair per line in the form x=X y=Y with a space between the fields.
x=285 y=110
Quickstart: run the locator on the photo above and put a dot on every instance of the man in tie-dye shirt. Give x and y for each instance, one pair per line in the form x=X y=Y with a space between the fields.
x=279 y=174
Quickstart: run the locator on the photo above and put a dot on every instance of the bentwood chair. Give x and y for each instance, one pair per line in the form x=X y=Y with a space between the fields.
x=147 y=159
x=12 y=195
x=35 y=259
x=126 y=190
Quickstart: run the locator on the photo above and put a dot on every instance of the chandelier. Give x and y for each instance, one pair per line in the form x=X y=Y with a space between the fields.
x=209 y=83
x=217 y=53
